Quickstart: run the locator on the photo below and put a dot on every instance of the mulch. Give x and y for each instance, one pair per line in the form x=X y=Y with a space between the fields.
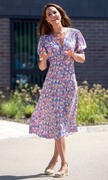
x=23 y=120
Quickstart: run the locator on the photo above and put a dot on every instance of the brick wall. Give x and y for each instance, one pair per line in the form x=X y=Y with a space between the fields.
x=95 y=68
x=4 y=53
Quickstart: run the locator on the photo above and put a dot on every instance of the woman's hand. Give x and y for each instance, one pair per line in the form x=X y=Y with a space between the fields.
x=77 y=57
x=69 y=52
x=44 y=56
x=43 y=60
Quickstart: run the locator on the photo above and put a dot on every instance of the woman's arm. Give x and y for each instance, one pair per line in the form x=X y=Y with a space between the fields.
x=42 y=65
x=43 y=60
x=76 y=56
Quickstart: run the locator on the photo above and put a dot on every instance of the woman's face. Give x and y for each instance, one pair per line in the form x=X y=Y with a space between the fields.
x=53 y=16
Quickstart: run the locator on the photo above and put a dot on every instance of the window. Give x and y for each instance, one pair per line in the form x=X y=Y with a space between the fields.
x=24 y=64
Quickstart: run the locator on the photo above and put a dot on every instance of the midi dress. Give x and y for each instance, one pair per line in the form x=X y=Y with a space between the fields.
x=55 y=113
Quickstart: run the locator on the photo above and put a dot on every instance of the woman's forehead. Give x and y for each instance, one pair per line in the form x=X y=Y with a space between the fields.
x=50 y=9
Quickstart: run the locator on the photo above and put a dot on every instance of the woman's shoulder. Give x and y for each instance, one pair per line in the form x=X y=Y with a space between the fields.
x=45 y=36
x=74 y=30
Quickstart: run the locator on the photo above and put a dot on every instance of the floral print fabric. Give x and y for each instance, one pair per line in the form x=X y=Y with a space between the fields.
x=55 y=113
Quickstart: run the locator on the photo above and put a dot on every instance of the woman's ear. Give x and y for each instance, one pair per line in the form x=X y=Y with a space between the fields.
x=46 y=20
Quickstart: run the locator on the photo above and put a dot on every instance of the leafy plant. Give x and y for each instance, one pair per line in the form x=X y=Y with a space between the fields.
x=21 y=102
x=92 y=104
x=28 y=110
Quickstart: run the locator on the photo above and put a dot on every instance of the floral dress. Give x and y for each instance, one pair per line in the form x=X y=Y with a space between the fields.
x=55 y=113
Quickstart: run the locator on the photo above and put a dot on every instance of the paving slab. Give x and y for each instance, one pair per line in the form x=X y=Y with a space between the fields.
x=26 y=158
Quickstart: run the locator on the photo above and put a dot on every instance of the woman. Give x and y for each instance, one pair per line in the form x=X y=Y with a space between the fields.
x=55 y=114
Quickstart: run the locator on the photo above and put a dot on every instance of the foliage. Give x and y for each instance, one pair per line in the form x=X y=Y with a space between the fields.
x=92 y=103
x=12 y=108
x=28 y=110
x=21 y=102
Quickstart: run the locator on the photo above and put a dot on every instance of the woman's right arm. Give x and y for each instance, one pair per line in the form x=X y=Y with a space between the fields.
x=42 y=65
x=43 y=60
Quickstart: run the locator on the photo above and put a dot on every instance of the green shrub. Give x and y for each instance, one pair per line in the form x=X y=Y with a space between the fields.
x=21 y=102
x=9 y=109
x=92 y=104
x=13 y=107
x=28 y=110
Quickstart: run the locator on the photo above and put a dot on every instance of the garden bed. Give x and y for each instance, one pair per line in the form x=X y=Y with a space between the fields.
x=92 y=104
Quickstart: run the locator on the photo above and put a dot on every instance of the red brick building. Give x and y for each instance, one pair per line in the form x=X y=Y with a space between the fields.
x=18 y=40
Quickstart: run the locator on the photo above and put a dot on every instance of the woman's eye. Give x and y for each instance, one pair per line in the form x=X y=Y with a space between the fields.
x=54 y=12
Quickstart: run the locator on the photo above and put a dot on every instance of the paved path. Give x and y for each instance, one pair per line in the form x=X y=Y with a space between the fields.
x=9 y=129
x=24 y=156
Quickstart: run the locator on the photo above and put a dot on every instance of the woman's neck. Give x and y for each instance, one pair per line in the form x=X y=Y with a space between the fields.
x=58 y=29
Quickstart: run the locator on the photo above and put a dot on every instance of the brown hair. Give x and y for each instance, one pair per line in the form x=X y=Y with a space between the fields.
x=46 y=28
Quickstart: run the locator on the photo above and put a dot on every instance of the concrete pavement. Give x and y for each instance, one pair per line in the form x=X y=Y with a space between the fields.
x=9 y=129
x=25 y=156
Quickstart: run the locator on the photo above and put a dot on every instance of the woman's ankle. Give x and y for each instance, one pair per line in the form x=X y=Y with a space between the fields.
x=64 y=163
x=64 y=166
x=52 y=163
x=54 y=160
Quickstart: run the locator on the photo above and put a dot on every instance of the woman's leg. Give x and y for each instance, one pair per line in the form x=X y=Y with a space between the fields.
x=61 y=145
x=56 y=153
x=54 y=160
x=55 y=156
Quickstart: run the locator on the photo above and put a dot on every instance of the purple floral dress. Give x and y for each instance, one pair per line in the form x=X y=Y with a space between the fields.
x=55 y=113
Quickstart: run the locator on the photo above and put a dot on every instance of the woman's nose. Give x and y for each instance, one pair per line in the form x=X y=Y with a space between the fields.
x=53 y=15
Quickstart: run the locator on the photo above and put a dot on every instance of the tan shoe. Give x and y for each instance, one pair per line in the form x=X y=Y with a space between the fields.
x=62 y=173
x=49 y=171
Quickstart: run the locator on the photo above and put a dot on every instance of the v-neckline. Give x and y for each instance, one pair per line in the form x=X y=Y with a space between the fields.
x=57 y=41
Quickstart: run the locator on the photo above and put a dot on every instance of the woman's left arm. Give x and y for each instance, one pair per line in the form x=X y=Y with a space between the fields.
x=78 y=57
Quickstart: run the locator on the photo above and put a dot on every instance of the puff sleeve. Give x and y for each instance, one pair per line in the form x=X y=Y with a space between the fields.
x=80 y=43
x=40 y=46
